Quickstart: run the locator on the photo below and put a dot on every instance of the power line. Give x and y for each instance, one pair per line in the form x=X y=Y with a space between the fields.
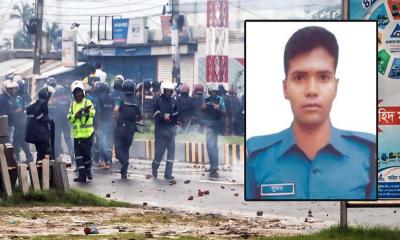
x=98 y=7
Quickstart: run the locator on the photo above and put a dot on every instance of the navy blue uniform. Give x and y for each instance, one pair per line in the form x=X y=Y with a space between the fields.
x=345 y=168
x=165 y=132
x=214 y=126
x=129 y=113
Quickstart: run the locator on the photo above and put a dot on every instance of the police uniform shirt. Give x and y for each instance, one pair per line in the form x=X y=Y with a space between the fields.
x=345 y=168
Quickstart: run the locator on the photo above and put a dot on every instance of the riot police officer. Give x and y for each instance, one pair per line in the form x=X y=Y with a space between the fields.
x=165 y=117
x=104 y=124
x=127 y=112
x=197 y=113
x=213 y=109
x=7 y=103
x=81 y=116
x=185 y=106
x=39 y=126
x=21 y=101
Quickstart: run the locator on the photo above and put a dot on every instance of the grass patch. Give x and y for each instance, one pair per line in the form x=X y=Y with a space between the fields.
x=353 y=233
x=191 y=137
x=55 y=197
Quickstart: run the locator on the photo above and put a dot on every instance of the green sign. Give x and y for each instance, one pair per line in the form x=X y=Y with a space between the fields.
x=383 y=60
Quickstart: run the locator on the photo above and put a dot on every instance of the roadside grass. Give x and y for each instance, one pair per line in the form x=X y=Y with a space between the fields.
x=352 y=233
x=74 y=197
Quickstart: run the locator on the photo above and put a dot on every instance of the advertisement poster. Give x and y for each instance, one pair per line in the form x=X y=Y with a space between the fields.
x=387 y=14
x=120 y=30
x=69 y=51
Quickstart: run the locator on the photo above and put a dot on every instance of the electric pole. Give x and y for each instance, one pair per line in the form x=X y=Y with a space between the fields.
x=176 y=62
x=38 y=37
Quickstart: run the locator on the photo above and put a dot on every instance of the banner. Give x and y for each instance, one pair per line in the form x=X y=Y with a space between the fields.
x=69 y=51
x=387 y=13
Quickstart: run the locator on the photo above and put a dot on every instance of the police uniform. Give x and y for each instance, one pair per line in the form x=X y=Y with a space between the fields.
x=82 y=131
x=345 y=168
x=129 y=113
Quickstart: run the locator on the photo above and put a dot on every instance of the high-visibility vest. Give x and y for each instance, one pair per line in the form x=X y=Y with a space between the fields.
x=81 y=127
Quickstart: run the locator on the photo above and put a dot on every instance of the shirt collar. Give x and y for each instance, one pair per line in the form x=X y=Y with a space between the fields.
x=336 y=141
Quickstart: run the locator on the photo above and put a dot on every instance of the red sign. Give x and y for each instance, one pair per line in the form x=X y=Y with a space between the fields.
x=388 y=115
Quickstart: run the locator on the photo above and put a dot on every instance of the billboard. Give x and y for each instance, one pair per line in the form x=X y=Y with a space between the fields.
x=388 y=17
x=69 y=51
x=130 y=31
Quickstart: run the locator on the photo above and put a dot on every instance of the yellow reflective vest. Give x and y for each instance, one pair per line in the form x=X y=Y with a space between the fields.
x=81 y=127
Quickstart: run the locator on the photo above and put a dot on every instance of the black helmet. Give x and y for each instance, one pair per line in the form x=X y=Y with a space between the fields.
x=46 y=92
x=51 y=81
x=147 y=85
x=101 y=87
x=156 y=86
x=128 y=86
x=21 y=85
x=118 y=84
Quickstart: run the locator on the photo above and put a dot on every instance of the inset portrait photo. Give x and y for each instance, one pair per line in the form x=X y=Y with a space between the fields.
x=311 y=101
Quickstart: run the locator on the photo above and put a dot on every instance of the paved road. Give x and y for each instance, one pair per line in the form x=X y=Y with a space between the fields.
x=222 y=199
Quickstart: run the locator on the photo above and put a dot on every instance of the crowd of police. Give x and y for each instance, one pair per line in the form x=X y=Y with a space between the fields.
x=102 y=117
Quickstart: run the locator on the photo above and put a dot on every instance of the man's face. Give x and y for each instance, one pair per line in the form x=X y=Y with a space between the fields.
x=78 y=95
x=311 y=86
x=168 y=93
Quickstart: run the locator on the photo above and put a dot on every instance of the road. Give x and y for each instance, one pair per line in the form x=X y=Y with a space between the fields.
x=225 y=196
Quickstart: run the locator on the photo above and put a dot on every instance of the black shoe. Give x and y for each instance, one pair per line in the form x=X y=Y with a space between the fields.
x=168 y=177
x=154 y=173
x=124 y=176
x=89 y=175
x=80 y=179
x=214 y=174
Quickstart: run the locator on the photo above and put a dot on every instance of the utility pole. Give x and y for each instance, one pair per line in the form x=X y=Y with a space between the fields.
x=38 y=44
x=176 y=61
x=38 y=37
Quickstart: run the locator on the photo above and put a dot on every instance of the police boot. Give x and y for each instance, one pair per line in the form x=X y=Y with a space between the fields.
x=82 y=176
x=124 y=170
x=168 y=170
x=89 y=175
x=154 y=168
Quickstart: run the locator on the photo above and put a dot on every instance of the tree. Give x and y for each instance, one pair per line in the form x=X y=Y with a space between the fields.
x=52 y=35
x=23 y=39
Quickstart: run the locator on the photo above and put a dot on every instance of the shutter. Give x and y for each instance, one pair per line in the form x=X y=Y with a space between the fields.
x=187 y=69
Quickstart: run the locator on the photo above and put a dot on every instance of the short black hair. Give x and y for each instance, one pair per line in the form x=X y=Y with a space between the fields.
x=306 y=39
x=99 y=65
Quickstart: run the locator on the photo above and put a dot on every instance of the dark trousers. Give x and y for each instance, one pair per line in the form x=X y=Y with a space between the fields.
x=19 y=143
x=212 y=148
x=122 y=143
x=42 y=149
x=83 y=147
x=163 y=143
x=65 y=130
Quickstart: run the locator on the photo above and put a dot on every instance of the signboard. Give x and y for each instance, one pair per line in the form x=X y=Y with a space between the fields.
x=69 y=51
x=120 y=30
x=166 y=30
x=388 y=16
x=130 y=31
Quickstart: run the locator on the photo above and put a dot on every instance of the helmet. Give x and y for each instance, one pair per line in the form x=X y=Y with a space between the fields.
x=46 y=92
x=119 y=77
x=21 y=84
x=184 y=88
x=221 y=89
x=118 y=84
x=139 y=86
x=198 y=88
x=9 y=84
x=167 y=85
x=156 y=86
x=147 y=85
x=17 y=77
x=101 y=87
x=77 y=84
x=212 y=87
x=128 y=86
x=51 y=81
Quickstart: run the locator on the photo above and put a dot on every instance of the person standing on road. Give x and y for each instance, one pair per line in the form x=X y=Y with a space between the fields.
x=213 y=110
x=81 y=115
x=165 y=113
x=127 y=113
x=7 y=103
